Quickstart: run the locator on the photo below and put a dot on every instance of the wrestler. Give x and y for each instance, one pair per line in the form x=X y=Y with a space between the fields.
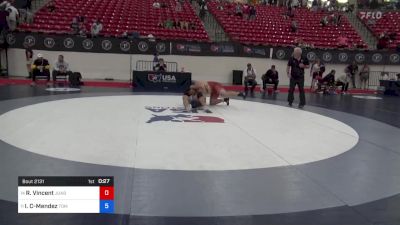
x=214 y=90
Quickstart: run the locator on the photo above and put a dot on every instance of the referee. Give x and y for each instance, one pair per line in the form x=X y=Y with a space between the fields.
x=295 y=72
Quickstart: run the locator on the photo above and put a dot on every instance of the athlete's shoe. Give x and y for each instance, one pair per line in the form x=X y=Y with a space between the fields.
x=226 y=100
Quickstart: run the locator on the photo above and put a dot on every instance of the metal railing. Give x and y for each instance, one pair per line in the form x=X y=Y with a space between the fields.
x=142 y=65
x=375 y=76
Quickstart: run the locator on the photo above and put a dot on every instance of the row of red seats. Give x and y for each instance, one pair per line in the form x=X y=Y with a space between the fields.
x=270 y=22
x=118 y=16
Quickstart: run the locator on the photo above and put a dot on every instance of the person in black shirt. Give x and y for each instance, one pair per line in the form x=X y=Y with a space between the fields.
x=160 y=66
x=295 y=71
x=40 y=67
x=271 y=77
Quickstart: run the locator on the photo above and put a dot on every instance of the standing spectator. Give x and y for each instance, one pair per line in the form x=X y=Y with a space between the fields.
x=169 y=24
x=97 y=27
x=295 y=71
x=343 y=81
x=160 y=66
x=314 y=6
x=271 y=77
x=29 y=61
x=28 y=5
x=315 y=73
x=351 y=71
x=249 y=79
x=40 y=67
x=12 y=17
x=75 y=26
x=3 y=20
x=364 y=76
x=61 y=68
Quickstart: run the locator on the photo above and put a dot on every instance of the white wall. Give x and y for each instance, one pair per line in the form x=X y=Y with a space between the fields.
x=117 y=66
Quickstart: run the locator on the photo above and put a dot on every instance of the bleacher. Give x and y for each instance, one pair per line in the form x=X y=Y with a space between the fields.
x=389 y=22
x=118 y=16
x=271 y=28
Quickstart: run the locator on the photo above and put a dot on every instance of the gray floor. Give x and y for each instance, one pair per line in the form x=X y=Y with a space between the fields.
x=343 y=189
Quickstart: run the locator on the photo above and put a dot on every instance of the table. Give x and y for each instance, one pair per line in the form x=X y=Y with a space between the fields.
x=391 y=87
x=161 y=81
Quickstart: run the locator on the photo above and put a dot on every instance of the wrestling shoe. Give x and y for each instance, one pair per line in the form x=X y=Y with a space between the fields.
x=226 y=100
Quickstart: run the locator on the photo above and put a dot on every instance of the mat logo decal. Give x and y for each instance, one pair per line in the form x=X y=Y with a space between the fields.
x=178 y=114
x=160 y=78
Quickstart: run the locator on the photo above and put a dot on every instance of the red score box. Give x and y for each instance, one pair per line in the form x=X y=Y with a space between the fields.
x=106 y=193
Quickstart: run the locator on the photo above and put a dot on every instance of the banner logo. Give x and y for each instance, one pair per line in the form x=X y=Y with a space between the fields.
x=143 y=46
x=11 y=39
x=125 y=46
x=87 y=44
x=106 y=45
x=69 y=43
x=49 y=42
x=29 y=41
x=160 y=78
x=160 y=47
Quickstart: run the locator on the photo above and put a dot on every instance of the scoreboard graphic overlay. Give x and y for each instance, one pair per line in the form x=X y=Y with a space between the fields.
x=65 y=194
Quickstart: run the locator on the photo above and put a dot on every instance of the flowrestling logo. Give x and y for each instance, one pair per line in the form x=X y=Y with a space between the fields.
x=178 y=114
x=161 y=78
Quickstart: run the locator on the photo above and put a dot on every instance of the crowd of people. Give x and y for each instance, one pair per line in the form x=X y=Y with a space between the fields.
x=177 y=24
x=78 y=27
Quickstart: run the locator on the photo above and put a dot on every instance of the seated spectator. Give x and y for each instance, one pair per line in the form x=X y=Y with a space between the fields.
x=271 y=77
x=398 y=76
x=135 y=35
x=184 y=25
x=169 y=24
x=293 y=26
x=83 y=32
x=156 y=5
x=151 y=37
x=40 y=67
x=314 y=6
x=177 y=24
x=246 y=11
x=51 y=7
x=290 y=12
x=160 y=66
x=252 y=13
x=383 y=41
x=81 y=19
x=342 y=42
x=192 y=25
x=343 y=81
x=324 y=21
x=61 y=68
x=249 y=79
x=125 y=34
x=160 y=23
x=75 y=26
x=238 y=10
x=96 y=28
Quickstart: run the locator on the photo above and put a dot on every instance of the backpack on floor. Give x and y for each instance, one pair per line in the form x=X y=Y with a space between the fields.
x=75 y=79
